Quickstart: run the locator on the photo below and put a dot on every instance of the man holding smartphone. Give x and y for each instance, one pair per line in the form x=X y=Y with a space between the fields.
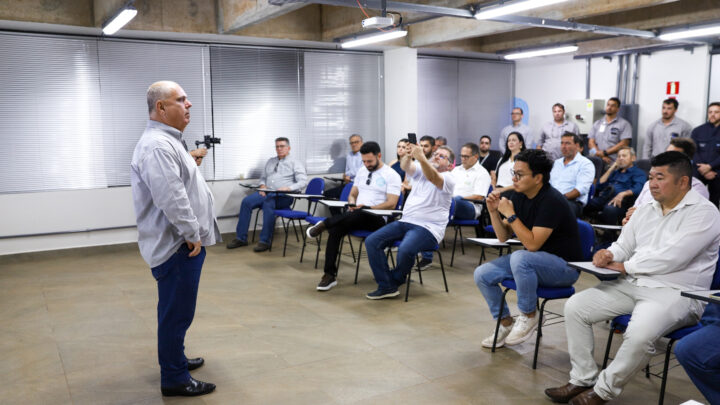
x=376 y=186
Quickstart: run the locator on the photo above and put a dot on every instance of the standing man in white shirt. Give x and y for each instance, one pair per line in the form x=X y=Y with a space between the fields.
x=660 y=132
x=376 y=186
x=175 y=221
x=425 y=216
x=667 y=247
x=610 y=133
x=517 y=126
x=552 y=132
x=573 y=174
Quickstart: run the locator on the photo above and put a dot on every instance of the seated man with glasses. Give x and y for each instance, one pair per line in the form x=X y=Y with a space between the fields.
x=423 y=223
x=376 y=186
x=542 y=220
x=281 y=173
x=353 y=163
x=472 y=182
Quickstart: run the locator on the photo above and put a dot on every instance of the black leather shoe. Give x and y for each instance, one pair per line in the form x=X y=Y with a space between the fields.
x=195 y=363
x=191 y=388
x=261 y=247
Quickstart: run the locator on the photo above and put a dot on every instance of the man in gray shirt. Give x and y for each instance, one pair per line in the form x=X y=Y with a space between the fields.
x=661 y=131
x=552 y=132
x=516 y=126
x=610 y=133
x=281 y=173
x=175 y=220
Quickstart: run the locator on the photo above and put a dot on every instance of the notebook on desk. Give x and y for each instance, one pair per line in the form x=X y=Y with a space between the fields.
x=599 y=272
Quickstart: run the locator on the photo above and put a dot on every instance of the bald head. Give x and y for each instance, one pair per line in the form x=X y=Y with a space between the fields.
x=159 y=91
x=168 y=103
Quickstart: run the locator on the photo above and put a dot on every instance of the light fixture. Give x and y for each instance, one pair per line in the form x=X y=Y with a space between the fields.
x=371 y=39
x=702 y=31
x=121 y=17
x=512 y=8
x=542 y=52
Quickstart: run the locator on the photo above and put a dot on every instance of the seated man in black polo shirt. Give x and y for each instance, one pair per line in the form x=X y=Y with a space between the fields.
x=542 y=220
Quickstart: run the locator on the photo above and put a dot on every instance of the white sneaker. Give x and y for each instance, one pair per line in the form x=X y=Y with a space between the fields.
x=502 y=335
x=522 y=330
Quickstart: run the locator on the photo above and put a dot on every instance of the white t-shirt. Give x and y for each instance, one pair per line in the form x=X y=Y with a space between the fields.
x=383 y=181
x=504 y=178
x=427 y=206
x=473 y=181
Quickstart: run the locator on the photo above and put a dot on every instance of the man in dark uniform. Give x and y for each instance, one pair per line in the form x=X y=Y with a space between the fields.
x=707 y=155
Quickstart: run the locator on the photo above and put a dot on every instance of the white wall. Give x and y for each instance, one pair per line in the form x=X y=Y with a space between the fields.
x=401 y=93
x=690 y=69
x=33 y=213
x=543 y=81
x=715 y=80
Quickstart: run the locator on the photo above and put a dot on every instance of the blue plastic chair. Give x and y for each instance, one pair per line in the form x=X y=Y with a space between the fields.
x=587 y=240
x=620 y=324
x=315 y=187
x=313 y=220
x=435 y=249
x=457 y=224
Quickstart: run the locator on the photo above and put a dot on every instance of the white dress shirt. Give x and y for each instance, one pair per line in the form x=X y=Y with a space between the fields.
x=677 y=250
x=472 y=181
x=427 y=205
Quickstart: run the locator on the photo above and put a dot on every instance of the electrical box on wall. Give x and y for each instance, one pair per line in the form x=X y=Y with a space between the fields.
x=584 y=113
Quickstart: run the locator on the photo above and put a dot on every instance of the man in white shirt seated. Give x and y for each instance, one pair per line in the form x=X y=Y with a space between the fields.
x=573 y=174
x=425 y=216
x=376 y=186
x=668 y=246
x=684 y=145
x=472 y=182
x=353 y=163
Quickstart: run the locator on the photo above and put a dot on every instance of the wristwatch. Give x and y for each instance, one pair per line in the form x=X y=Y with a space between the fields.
x=511 y=218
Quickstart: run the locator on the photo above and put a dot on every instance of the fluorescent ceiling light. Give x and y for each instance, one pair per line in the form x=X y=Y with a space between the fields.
x=691 y=33
x=542 y=52
x=119 y=21
x=371 y=39
x=512 y=8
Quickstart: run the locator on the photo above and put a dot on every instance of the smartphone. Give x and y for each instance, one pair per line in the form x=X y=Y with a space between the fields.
x=352 y=205
x=412 y=138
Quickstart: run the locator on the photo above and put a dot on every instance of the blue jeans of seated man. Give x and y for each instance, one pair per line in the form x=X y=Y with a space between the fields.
x=529 y=270
x=463 y=210
x=177 y=282
x=415 y=239
x=699 y=354
x=268 y=204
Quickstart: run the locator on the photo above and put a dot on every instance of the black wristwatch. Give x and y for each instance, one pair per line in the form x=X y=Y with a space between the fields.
x=511 y=218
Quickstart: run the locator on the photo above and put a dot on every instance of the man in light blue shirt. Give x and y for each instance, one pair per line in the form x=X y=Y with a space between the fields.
x=517 y=126
x=573 y=174
x=175 y=220
x=281 y=173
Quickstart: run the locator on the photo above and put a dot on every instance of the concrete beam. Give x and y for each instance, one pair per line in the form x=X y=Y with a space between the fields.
x=240 y=14
x=70 y=12
x=616 y=45
x=304 y=24
x=451 y=29
x=193 y=16
x=665 y=15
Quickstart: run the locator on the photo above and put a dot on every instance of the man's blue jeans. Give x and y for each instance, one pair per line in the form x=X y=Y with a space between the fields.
x=699 y=354
x=269 y=204
x=414 y=239
x=529 y=270
x=464 y=209
x=177 y=281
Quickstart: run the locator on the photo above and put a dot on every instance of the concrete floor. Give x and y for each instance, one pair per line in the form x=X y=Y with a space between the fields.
x=79 y=327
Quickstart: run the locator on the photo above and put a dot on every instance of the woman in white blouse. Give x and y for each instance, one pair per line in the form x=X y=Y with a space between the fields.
x=501 y=177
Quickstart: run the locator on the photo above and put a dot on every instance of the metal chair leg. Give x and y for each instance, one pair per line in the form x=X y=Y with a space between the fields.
x=287 y=229
x=257 y=214
x=462 y=244
x=663 y=385
x=607 y=348
x=357 y=263
x=352 y=249
x=292 y=221
x=417 y=264
x=539 y=333
x=499 y=318
x=452 y=258
x=317 y=253
x=442 y=269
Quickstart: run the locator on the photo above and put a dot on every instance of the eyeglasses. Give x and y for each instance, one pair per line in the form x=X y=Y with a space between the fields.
x=369 y=179
x=517 y=175
x=439 y=156
x=355 y=142
x=465 y=156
